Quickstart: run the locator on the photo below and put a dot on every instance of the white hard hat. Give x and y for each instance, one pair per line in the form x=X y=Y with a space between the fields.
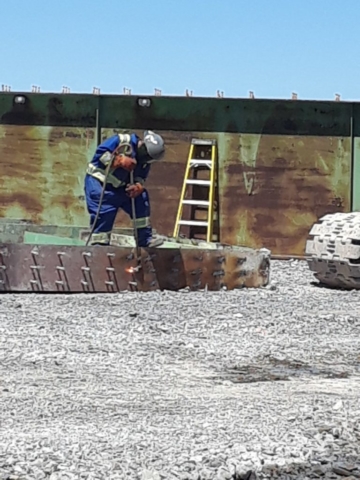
x=155 y=145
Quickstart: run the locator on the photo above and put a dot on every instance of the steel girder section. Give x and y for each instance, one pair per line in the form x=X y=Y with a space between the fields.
x=49 y=268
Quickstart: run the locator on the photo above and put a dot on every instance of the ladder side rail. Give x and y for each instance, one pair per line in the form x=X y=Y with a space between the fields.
x=182 y=195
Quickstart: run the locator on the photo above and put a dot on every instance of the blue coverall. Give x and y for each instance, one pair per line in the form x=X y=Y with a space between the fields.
x=115 y=196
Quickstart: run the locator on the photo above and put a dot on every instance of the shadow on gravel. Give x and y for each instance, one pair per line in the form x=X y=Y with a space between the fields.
x=313 y=468
x=249 y=475
x=329 y=287
x=327 y=469
x=246 y=476
x=273 y=369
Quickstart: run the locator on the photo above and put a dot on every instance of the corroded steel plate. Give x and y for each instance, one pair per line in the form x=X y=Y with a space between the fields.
x=49 y=268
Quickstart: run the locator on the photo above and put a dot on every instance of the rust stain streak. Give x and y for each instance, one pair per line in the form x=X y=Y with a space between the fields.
x=248 y=152
x=292 y=189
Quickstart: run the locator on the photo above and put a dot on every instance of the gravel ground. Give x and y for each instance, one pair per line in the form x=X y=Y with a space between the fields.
x=182 y=385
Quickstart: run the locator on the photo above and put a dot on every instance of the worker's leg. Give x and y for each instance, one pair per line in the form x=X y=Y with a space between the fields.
x=142 y=212
x=108 y=211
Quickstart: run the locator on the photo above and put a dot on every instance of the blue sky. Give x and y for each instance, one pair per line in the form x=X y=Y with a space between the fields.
x=272 y=47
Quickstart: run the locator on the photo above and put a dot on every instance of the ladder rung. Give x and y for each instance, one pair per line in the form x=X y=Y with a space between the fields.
x=207 y=163
x=198 y=141
x=203 y=203
x=198 y=182
x=194 y=223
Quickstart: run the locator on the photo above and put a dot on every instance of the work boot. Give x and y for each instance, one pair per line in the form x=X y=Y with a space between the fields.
x=155 y=242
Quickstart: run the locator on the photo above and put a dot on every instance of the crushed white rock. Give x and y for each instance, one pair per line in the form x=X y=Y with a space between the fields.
x=182 y=385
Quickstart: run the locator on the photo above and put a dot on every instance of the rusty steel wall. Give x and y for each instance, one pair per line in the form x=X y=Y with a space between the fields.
x=42 y=170
x=282 y=164
x=273 y=188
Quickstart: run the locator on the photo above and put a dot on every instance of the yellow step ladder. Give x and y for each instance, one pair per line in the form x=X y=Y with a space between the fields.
x=201 y=162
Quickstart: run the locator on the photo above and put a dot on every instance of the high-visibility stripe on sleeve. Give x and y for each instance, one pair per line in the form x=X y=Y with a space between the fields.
x=124 y=147
x=100 y=175
x=124 y=138
x=105 y=158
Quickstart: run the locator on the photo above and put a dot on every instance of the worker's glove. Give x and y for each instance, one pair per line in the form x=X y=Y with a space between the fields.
x=127 y=163
x=134 y=190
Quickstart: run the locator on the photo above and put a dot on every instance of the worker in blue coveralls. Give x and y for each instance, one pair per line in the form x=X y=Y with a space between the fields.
x=129 y=153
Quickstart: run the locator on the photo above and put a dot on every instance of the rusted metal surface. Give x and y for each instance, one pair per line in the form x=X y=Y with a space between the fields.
x=282 y=164
x=108 y=269
x=42 y=171
x=273 y=188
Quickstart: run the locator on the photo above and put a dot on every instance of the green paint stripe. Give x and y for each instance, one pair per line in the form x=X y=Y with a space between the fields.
x=43 y=239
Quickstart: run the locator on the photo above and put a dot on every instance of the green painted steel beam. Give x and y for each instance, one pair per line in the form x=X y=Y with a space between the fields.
x=46 y=109
x=280 y=117
x=270 y=117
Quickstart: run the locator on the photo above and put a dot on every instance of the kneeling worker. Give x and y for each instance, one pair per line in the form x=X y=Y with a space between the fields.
x=128 y=153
